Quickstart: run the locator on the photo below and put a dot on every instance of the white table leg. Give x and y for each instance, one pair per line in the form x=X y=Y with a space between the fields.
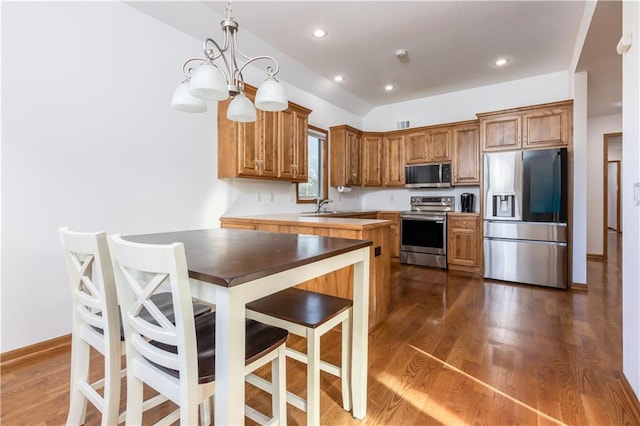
x=360 y=335
x=230 y=336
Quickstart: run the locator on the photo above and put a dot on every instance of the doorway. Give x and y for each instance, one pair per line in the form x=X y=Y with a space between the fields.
x=613 y=200
x=612 y=153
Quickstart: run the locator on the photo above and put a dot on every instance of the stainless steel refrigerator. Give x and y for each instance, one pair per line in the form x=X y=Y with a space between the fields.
x=525 y=217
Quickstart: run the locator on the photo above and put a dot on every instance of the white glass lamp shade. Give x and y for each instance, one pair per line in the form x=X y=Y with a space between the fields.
x=183 y=101
x=241 y=109
x=208 y=82
x=270 y=96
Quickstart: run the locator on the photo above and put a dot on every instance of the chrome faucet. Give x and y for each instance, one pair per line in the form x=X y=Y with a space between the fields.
x=320 y=202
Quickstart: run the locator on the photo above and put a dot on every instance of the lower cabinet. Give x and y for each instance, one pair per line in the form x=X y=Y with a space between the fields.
x=394 y=233
x=464 y=251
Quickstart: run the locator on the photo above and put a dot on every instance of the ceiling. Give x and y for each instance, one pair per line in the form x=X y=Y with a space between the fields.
x=451 y=45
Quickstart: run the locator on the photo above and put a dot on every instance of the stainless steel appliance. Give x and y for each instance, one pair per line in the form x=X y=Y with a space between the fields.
x=525 y=212
x=428 y=175
x=423 y=231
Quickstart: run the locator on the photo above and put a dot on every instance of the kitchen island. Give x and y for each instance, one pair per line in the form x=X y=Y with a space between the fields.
x=374 y=230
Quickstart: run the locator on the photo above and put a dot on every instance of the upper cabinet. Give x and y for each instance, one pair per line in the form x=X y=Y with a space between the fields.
x=428 y=145
x=440 y=144
x=272 y=147
x=345 y=144
x=292 y=145
x=416 y=149
x=372 y=159
x=393 y=159
x=529 y=127
x=466 y=154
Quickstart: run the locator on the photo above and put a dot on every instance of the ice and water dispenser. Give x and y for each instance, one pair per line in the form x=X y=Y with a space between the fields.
x=503 y=186
x=503 y=205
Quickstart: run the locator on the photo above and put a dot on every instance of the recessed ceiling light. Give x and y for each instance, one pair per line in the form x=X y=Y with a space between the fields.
x=319 y=33
x=389 y=87
x=500 y=62
x=338 y=78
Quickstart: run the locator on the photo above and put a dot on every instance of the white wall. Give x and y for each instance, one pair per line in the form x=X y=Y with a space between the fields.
x=597 y=127
x=631 y=209
x=465 y=104
x=89 y=140
x=579 y=227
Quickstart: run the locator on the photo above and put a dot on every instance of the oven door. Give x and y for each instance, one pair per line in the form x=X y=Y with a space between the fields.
x=423 y=234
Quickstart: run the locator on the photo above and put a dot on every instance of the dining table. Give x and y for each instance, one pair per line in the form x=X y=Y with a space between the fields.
x=232 y=267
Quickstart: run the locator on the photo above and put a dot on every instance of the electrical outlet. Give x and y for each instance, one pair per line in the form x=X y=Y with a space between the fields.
x=636 y=193
x=271 y=197
x=391 y=198
x=258 y=197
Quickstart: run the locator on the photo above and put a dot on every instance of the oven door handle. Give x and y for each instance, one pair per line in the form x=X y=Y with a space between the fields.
x=435 y=219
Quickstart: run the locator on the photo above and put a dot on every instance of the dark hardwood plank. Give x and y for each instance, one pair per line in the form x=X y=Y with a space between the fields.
x=455 y=349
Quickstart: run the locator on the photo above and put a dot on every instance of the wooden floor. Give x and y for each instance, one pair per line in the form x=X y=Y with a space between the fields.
x=455 y=350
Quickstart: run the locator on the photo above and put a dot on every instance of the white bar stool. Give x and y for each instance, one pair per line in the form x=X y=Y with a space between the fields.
x=309 y=315
x=178 y=360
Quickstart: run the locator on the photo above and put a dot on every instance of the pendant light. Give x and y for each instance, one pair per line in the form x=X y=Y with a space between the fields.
x=218 y=76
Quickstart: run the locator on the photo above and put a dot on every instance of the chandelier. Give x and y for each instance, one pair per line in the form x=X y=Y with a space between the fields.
x=219 y=75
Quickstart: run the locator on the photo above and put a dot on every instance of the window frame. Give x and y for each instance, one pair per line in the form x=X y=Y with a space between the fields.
x=324 y=184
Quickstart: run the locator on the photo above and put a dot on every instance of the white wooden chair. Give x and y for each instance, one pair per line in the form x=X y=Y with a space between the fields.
x=96 y=323
x=310 y=315
x=178 y=360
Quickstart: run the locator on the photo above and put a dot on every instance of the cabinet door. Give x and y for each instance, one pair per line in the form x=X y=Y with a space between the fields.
x=249 y=148
x=393 y=160
x=415 y=148
x=394 y=230
x=464 y=241
x=268 y=142
x=372 y=160
x=337 y=156
x=500 y=133
x=286 y=146
x=354 y=145
x=301 y=129
x=439 y=145
x=549 y=127
x=466 y=156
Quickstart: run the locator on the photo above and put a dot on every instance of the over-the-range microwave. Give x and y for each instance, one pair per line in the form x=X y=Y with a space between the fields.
x=436 y=175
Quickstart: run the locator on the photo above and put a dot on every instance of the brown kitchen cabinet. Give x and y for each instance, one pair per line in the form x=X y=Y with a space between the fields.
x=393 y=159
x=345 y=156
x=534 y=126
x=372 y=159
x=272 y=147
x=394 y=233
x=464 y=251
x=416 y=147
x=466 y=154
x=292 y=145
x=439 y=145
x=428 y=145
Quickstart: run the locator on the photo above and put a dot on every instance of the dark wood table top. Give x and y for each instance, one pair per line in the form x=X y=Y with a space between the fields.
x=229 y=257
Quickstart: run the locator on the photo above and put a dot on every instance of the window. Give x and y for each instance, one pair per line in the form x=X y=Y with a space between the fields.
x=317 y=186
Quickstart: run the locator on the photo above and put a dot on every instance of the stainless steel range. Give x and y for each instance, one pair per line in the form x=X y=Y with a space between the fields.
x=423 y=231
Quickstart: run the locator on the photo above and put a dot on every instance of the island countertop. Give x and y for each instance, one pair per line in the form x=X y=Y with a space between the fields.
x=341 y=220
x=344 y=226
